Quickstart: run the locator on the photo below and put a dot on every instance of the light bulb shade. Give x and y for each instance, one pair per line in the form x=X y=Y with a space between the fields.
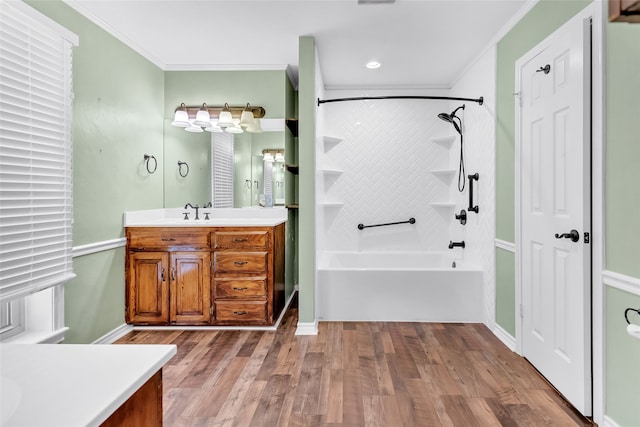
x=233 y=129
x=267 y=157
x=181 y=118
x=279 y=157
x=255 y=127
x=225 y=119
x=246 y=119
x=202 y=117
x=193 y=128
x=213 y=127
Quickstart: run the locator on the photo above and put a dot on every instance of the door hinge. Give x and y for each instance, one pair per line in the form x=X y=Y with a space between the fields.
x=521 y=312
x=587 y=237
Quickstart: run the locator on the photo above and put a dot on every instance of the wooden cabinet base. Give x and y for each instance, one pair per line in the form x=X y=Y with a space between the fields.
x=201 y=276
x=144 y=408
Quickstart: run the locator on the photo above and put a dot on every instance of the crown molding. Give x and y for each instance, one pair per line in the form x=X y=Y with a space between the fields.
x=78 y=7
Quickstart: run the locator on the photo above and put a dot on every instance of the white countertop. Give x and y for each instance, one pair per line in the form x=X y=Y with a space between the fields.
x=174 y=217
x=70 y=385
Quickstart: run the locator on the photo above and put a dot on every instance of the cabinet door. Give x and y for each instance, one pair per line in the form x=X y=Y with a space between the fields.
x=190 y=292
x=147 y=289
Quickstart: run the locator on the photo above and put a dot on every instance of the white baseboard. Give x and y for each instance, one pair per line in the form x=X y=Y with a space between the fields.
x=114 y=335
x=505 y=337
x=608 y=422
x=310 y=328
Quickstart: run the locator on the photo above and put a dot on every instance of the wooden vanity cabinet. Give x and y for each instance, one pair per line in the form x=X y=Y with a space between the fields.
x=168 y=277
x=248 y=277
x=204 y=275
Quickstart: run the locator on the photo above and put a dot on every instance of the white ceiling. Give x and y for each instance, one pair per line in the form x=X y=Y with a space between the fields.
x=420 y=43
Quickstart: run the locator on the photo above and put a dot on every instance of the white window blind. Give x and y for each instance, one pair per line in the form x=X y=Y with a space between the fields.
x=35 y=152
x=222 y=170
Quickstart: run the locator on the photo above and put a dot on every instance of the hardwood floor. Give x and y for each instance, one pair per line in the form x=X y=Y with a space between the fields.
x=353 y=374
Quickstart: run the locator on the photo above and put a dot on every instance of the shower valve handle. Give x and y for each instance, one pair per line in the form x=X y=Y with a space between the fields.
x=573 y=235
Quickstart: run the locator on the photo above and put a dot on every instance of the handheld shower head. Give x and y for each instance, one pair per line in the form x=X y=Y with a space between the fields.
x=449 y=118
x=446 y=117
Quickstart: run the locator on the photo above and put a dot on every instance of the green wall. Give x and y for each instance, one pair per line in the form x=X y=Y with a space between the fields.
x=306 y=157
x=118 y=113
x=622 y=354
x=622 y=203
x=622 y=157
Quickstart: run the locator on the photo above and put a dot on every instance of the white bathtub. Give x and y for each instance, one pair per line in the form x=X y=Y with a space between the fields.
x=397 y=286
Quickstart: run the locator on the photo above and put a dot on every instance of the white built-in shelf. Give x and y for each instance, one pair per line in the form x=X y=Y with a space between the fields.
x=331 y=172
x=444 y=174
x=332 y=139
x=445 y=141
x=330 y=142
x=332 y=204
x=443 y=205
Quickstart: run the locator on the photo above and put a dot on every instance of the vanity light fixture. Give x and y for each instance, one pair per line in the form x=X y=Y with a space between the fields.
x=273 y=155
x=181 y=117
x=203 y=119
x=246 y=118
x=225 y=119
x=219 y=119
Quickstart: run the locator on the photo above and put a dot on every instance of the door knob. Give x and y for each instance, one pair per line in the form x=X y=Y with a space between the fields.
x=573 y=235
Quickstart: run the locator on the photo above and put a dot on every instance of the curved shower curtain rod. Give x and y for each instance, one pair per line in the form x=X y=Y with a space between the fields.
x=364 y=98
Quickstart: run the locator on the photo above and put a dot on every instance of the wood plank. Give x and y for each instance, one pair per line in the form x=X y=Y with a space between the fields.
x=353 y=374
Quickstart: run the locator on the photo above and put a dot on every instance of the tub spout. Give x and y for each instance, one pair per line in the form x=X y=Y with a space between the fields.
x=453 y=244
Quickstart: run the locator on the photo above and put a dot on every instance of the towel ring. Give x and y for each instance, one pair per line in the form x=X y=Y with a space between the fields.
x=155 y=164
x=180 y=164
x=626 y=313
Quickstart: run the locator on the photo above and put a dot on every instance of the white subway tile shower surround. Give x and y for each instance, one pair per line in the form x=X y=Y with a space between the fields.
x=479 y=130
x=386 y=156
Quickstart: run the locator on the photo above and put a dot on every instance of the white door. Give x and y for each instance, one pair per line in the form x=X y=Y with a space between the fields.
x=555 y=265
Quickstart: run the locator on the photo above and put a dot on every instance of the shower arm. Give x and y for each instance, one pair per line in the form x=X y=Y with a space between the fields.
x=367 y=98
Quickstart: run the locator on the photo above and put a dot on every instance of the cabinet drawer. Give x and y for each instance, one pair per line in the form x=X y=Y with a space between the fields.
x=241 y=312
x=240 y=239
x=150 y=237
x=241 y=262
x=237 y=288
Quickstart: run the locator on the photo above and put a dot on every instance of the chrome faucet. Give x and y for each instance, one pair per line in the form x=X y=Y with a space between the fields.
x=189 y=205
x=456 y=244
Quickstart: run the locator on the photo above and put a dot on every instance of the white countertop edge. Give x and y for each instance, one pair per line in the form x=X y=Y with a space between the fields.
x=219 y=217
x=245 y=222
x=170 y=351
x=43 y=374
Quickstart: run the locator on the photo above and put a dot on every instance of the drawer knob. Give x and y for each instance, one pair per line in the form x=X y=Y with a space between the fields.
x=240 y=262
x=240 y=289
x=240 y=313
x=168 y=239
x=238 y=240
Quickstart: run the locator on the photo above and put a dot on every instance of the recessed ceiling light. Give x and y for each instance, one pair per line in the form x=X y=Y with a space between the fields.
x=372 y=65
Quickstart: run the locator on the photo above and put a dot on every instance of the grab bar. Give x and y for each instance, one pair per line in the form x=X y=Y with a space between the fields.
x=410 y=221
x=472 y=208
